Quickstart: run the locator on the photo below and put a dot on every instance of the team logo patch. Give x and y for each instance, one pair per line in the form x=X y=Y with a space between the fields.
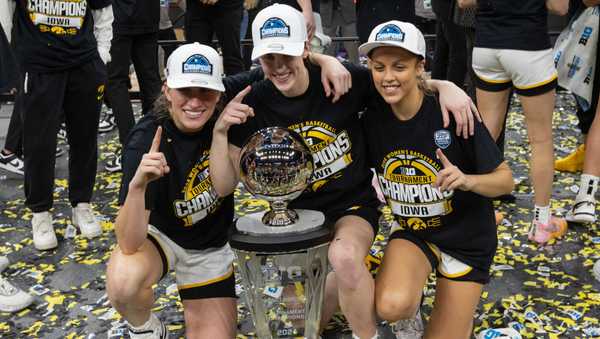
x=274 y=28
x=390 y=33
x=197 y=63
x=442 y=138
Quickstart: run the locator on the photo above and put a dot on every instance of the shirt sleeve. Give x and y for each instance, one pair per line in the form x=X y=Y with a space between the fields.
x=235 y=83
x=481 y=149
x=137 y=145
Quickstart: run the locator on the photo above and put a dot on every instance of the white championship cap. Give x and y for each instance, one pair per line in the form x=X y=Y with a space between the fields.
x=395 y=34
x=195 y=65
x=278 y=29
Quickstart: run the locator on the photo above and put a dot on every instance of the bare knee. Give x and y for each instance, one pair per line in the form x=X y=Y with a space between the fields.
x=396 y=305
x=347 y=261
x=126 y=278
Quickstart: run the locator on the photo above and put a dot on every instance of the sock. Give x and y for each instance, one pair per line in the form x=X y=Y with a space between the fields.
x=542 y=214
x=587 y=187
x=151 y=324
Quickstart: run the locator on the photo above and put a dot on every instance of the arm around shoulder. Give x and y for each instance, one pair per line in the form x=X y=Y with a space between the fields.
x=558 y=7
x=467 y=3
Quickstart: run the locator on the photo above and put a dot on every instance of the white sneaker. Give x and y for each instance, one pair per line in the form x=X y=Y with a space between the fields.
x=596 y=270
x=153 y=329
x=409 y=328
x=3 y=263
x=12 y=299
x=499 y=333
x=84 y=219
x=107 y=123
x=44 y=237
x=584 y=211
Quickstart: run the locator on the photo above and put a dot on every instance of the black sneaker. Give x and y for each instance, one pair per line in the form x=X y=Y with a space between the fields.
x=12 y=163
x=107 y=123
x=114 y=163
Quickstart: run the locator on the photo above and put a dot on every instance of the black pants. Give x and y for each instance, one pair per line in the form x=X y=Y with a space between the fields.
x=14 y=134
x=202 y=21
x=142 y=50
x=167 y=34
x=43 y=97
x=450 y=60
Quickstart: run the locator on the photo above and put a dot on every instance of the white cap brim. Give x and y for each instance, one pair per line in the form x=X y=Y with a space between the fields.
x=202 y=83
x=286 y=48
x=367 y=47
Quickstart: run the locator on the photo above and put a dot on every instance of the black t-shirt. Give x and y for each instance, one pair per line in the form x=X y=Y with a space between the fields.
x=403 y=154
x=136 y=16
x=55 y=35
x=332 y=131
x=512 y=24
x=183 y=203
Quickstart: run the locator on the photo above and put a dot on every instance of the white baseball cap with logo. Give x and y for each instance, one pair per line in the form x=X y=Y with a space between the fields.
x=195 y=65
x=395 y=34
x=278 y=29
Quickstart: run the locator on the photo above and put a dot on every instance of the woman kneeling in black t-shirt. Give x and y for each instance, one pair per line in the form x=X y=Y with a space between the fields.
x=437 y=186
x=172 y=217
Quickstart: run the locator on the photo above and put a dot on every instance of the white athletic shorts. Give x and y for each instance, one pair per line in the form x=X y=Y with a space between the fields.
x=530 y=72
x=198 y=273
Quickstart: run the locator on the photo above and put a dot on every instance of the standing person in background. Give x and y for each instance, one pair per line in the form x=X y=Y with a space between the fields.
x=135 y=39
x=586 y=157
x=11 y=156
x=342 y=14
x=450 y=60
x=507 y=33
x=370 y=13
x=205 y=18
x=165 y=29
x=62 y=52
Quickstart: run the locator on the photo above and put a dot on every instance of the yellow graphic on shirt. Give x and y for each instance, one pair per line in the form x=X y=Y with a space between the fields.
x=199 y=196
x=59 y=17
x=331 y=150
x=407 y=183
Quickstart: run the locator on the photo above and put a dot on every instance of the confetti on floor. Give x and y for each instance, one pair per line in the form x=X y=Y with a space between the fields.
x=543 y=292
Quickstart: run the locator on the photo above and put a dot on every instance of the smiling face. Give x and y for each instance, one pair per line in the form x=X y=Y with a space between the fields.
x=396 y=73
x=287 y=73
x=191 y=107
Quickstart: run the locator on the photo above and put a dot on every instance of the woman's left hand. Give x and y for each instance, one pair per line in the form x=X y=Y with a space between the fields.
x=451 y=177
x=454 y=99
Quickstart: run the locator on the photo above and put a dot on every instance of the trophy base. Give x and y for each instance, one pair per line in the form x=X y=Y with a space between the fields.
x=250 y=234
x=253 y=223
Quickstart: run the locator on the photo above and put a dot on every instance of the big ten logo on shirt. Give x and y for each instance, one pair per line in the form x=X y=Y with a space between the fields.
x=331 y=150
x=57 y=17
x=407 y=183
x=199 y=196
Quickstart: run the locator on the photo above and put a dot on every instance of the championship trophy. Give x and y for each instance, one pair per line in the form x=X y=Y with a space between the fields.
x=282 y=253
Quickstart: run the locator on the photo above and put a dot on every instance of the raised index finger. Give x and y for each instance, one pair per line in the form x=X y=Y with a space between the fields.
x=240 y=96
x=154 y=148
x=445 y=162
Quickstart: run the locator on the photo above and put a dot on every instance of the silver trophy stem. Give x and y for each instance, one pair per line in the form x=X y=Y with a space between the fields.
x=280 y=215
x=252 y=279
x=315 y=288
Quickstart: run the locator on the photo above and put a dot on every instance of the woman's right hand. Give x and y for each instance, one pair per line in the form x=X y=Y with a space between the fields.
x=153 y=165
x=235 y=113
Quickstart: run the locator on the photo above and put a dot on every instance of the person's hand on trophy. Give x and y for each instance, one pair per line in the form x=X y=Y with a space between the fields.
x=153 y=165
